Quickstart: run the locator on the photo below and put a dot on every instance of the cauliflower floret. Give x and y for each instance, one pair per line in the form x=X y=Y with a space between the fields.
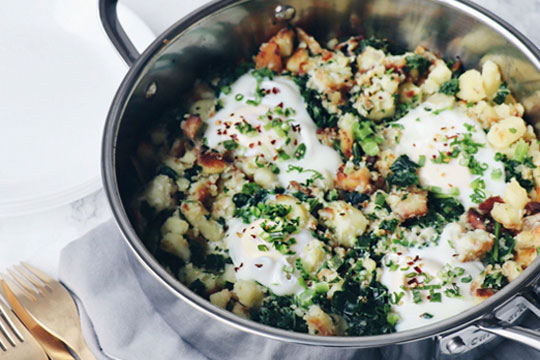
x=160 y=193
x=346 y=222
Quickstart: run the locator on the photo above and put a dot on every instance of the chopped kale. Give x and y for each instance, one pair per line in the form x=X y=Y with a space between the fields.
x=365 y=308
x=511 y=170
x=355 y=198
x=165 y=170
x=403 y=172
x=502 y=93
x=193 y=172
x=442 y=209
x=502 y=248
x=380 y=44
x=197 y=256
x=495 y=280
x=417 y=62
x=215 y=263
x=450 y=87
x=277 y=311
x=316 y=110
x=222 y=76
x=198 y=288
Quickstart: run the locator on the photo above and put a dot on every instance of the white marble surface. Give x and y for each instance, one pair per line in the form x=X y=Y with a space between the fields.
x=38 y=238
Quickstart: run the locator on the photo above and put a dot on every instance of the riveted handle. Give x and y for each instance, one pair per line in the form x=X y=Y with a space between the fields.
x=115 y=32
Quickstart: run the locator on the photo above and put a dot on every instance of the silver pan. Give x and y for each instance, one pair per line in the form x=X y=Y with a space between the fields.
x=231 y=30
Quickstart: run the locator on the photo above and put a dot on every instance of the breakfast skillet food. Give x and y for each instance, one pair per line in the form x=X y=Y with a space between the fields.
x=352 y=189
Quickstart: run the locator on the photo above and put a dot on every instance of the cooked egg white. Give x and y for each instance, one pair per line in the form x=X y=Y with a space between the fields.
x=427 y=131
x=249 y=126
x=256 y=259
x=429 y=261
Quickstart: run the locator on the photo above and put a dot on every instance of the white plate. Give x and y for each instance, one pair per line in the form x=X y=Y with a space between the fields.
x=58 y=74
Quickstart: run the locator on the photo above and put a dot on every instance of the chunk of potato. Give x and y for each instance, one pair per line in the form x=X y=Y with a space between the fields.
x=471 y=86
x=473 y=245
x=269 y=57
x=313 y=255
x=408 y=205
x=491 y=78
x=319 y=322
x=195 y=214
x=296 y=62
x=507 y=131
x=346 y=222
x=515 y=195
x=160 y=192
x=249 y=293
x=221 y=298
x=354 y=180
x=507 y=215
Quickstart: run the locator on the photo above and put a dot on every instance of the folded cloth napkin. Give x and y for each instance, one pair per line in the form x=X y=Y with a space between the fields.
x=133 y=316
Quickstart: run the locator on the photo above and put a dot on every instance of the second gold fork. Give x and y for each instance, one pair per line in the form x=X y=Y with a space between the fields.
x=50 y=305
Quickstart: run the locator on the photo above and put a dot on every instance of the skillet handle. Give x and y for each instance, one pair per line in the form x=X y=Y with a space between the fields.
x=520 y=334
x=115 y=32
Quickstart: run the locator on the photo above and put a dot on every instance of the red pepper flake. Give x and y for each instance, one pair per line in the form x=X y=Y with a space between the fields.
x=259 y=143
x=434 y=156
x=238 y=267
x=273 y=141
x=410 y=263
x=275 y=90
x=251 y=145
x=417 y=269
x=399 y=253
x=295 y=142
x=429 y=297
x=280 y=105
x=259 y=265
x=253 y=236
x=267 y=91
x=412 y=281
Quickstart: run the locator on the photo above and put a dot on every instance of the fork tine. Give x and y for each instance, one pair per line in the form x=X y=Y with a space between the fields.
x=38 y=273
x=40 y=286
x=6 y=324
x=22 y=295
x=21 y=282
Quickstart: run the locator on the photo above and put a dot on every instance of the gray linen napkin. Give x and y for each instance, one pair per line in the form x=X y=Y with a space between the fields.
x=134 y=317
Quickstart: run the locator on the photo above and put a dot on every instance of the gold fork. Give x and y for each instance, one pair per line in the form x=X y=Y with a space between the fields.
x=16 y=343
x=52 y=346
x=50 y=305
